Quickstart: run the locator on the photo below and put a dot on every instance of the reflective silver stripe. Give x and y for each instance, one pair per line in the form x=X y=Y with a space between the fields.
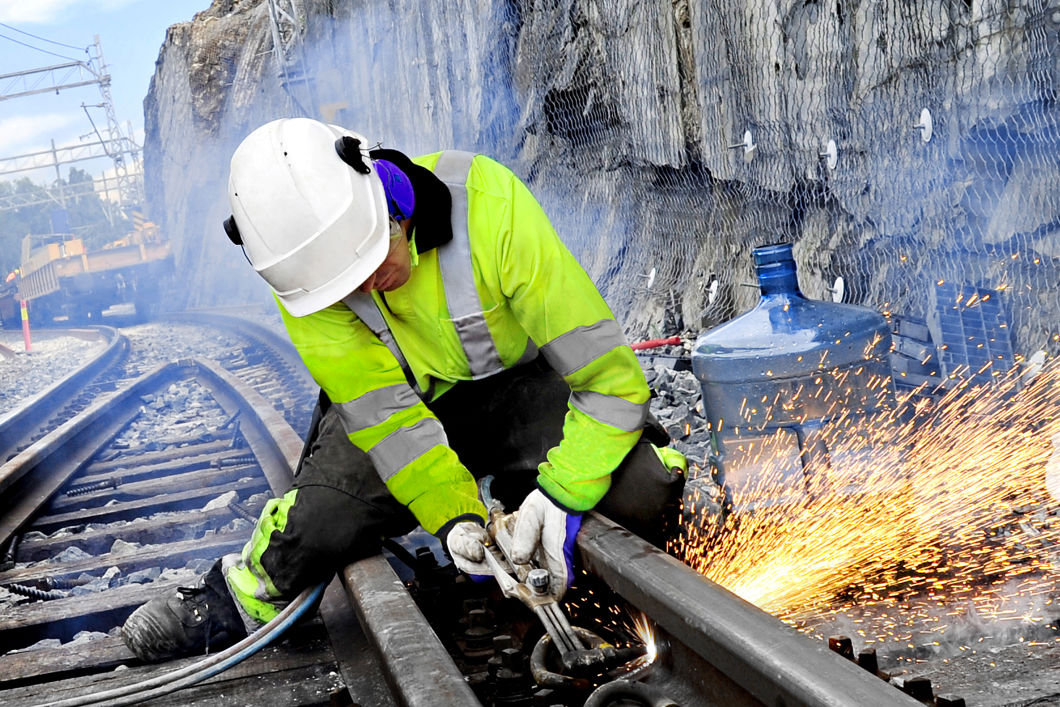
x=404 y=445
x=375 y=406
x=582 y=345
x=529 y=354
x=367 y=311
x=610 y=409
x=458 y=276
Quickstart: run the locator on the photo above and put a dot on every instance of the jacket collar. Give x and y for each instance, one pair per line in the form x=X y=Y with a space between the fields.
x=432 y=214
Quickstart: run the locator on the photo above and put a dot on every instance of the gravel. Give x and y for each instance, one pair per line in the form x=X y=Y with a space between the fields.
x=1004 y=668
x=50 y=359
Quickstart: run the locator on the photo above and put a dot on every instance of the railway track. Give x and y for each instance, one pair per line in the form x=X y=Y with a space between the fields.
x=64 y=398
x=144 y=487
x=267 y=362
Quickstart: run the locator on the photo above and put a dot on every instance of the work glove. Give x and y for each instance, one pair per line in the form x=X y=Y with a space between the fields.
x=465 y=544
x=545 y=532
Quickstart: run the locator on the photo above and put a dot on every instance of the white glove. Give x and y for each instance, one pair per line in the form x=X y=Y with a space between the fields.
x=545 y=532
x=465 y=543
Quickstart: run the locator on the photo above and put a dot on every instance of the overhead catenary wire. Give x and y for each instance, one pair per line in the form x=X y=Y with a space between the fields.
x=44 y=39
x=16 y=41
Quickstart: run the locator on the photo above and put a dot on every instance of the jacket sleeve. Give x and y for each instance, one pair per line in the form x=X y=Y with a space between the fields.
x=565 y=315
x=384 y=417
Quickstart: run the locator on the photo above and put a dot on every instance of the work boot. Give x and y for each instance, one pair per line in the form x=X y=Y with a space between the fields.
x=191 y=620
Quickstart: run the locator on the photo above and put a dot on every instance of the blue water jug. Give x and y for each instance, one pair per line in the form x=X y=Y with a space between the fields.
x=776 y=379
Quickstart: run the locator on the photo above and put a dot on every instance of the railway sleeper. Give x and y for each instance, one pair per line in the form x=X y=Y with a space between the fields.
x=138 y=470
x=173 y=555
x=78 y=667
x=303 y=656
x=117 y=457
x=68 y=660
x=202 y=479
x=65 y=618
x=146 y=531
x=131 y=510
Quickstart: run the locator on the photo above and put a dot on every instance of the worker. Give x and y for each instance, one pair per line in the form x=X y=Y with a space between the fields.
x=453 y=336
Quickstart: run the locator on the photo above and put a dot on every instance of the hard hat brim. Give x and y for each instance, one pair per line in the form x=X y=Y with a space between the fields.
x=301 y=303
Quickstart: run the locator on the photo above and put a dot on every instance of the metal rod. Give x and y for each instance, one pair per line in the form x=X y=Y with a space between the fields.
x=561 y=619
x=562 y=641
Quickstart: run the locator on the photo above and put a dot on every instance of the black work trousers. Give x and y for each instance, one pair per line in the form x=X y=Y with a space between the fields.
x=502 y=425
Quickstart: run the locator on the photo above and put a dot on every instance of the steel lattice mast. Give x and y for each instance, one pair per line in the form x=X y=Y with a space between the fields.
x=121 y=149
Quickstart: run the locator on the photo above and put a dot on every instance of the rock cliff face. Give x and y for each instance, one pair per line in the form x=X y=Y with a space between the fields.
x=621 y=116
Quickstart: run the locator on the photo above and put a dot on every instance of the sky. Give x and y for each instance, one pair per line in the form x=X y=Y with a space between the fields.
x=131 y=33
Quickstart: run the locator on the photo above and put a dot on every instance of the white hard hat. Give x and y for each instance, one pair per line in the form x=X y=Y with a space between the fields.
x=313 y=224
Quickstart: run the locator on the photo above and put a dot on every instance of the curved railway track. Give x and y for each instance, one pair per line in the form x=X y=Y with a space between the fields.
x=268 y=363
x=44 y=411
x=144 y=487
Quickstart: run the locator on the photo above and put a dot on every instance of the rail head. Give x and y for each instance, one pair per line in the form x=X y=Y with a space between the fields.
x=770 y=660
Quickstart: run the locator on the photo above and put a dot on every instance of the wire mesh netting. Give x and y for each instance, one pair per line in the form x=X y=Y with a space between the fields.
x=897 y=145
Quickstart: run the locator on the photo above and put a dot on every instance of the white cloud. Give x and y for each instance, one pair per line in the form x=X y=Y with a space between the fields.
x=20 y=134
x=47 y=11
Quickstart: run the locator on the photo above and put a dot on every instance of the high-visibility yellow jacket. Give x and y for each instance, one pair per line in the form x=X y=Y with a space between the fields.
x=531 y=293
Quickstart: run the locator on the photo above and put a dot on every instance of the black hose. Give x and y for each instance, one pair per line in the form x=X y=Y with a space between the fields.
x=205 y=668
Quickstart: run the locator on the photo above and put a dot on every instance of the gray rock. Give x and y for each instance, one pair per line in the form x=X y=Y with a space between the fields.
x=39 y=645
x=87 y=636
x=237 y=525
x=71 y=554
x=94 y=587
x=144 y=576
x=221 y=501
x=687 y=385
x=123 y=547
x=199 y=566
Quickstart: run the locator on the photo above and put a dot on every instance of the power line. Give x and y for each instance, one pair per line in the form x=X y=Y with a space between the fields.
x=61 y=56
x=45 y=39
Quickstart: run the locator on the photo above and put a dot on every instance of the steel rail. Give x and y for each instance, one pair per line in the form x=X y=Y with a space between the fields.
x=58 y=455
x=281 y=345
x=419 y=669
x=18 y=426
x=296 y=381
x=731 y=648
